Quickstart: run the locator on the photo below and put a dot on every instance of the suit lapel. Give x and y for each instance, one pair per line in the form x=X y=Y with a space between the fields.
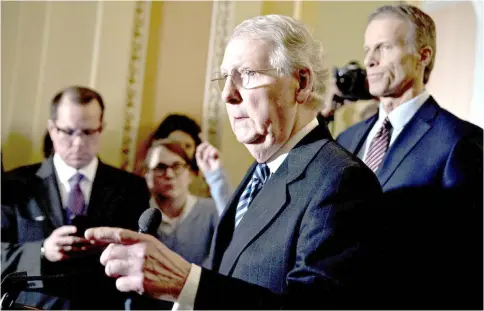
x=272 y=198
x=223 y=233
x=48 y=195
x=411 y=134
x=101 y=193
x=361 y=133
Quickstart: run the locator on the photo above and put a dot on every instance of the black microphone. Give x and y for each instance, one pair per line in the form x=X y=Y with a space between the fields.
x=16 y=282
x=148 y=223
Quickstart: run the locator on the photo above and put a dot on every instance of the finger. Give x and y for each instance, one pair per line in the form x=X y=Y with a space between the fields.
x=69 y=240
x=130 y=283
x=65 y=230
x=84 y=248
x=113 y=235
x=213 y=153
x=122 y=267
x=201 y=148
x=198 y=154
x=114 y=251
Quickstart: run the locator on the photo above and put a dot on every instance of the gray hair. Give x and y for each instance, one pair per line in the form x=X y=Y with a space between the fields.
x=423 y=32
x=293 y=48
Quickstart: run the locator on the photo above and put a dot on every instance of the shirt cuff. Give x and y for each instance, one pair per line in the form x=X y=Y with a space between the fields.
x=186 y=300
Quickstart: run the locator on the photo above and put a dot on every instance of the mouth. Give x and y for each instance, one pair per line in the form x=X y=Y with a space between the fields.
x=374 y=76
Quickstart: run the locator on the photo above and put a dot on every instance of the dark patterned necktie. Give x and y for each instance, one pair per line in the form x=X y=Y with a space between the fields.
x=259 y=177
x=76 y=202
x=379 y=145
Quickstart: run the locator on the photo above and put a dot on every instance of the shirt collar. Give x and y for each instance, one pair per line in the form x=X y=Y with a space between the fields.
x=276 y=160
x=65 y=172
x=189 y=204
x=401 y=115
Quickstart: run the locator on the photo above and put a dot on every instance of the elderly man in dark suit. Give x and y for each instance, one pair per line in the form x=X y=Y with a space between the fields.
x=429 y=163
x=53 y=202
x=295 y=232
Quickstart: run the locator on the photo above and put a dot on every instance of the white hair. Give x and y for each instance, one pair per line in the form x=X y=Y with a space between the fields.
x=294 y=48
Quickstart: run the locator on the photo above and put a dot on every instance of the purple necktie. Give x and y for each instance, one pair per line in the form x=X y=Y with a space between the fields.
x=76 y=198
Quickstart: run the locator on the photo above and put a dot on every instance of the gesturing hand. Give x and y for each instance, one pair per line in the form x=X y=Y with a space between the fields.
x=141 y=263
x=62 y=244
x=208 y=158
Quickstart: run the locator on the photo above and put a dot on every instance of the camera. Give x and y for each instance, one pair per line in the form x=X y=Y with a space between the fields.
x=351 y=82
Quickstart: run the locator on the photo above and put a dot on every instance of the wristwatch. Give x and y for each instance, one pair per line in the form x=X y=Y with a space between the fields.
x=42 y=251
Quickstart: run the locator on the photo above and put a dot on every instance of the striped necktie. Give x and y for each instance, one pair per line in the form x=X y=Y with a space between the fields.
x=259 y=177
x=379 y=145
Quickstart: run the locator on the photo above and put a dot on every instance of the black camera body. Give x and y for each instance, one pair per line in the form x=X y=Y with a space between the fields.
x=351 y=82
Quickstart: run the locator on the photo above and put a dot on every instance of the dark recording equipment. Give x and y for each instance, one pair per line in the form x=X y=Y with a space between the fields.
x=351 y=82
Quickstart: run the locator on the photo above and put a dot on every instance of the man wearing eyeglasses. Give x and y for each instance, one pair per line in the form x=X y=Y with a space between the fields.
x=72 y=190
x=296 y=232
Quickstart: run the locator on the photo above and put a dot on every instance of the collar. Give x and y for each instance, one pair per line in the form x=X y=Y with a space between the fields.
x=65 y=172
x=401 y=115
x=165 y=219
x=276 y=160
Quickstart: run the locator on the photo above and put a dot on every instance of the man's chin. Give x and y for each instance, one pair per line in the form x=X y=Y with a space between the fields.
x=77 y=163
x=251 y=139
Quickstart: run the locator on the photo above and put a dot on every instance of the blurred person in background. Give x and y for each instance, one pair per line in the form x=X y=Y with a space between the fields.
x=187 y=133
x=53 y=202
x=188 y=221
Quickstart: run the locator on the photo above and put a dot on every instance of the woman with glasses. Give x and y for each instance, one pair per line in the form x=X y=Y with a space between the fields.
x=186 y=132
x=188 y=221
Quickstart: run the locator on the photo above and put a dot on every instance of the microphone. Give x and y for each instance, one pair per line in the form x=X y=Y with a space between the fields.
x=16 y=282
x=148 y=223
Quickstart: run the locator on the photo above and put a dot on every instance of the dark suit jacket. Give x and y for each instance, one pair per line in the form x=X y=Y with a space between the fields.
x=301 y=244
x=32 y=209
x=432 y=179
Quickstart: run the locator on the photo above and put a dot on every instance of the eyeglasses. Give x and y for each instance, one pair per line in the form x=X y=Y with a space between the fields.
x=176 y=168
x=71 y=133
x=247 y=78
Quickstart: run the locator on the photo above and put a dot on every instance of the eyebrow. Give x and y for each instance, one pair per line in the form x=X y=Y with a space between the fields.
x=174 y=163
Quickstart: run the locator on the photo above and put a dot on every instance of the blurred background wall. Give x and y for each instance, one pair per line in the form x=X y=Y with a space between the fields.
x=148 y=59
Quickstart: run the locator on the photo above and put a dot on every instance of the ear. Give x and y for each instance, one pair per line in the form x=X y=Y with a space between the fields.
x=426 y=55
x=149 y=180
x=305 y=85
x=50 y=126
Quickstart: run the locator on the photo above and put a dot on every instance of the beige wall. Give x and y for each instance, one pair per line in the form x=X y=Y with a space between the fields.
x=340 y=26
x=184 y=35
x=452 y=79
x=50 y=45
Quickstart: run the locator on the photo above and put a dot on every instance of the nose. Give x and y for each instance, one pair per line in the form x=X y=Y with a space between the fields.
x=230 y=93
x=77 y=140
x=169 y=173
x=371 y=59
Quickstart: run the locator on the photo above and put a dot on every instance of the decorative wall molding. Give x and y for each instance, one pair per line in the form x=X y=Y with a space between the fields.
x=134 y=90
x=221 y=28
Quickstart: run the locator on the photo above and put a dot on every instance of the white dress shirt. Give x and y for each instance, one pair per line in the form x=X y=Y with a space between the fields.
x=399 y=117
x=186 y=300
x=64 y=172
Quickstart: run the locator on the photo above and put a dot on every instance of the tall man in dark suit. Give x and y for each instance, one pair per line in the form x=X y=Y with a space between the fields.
x=54 y=201
x=429 y=163
x=295 y=232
